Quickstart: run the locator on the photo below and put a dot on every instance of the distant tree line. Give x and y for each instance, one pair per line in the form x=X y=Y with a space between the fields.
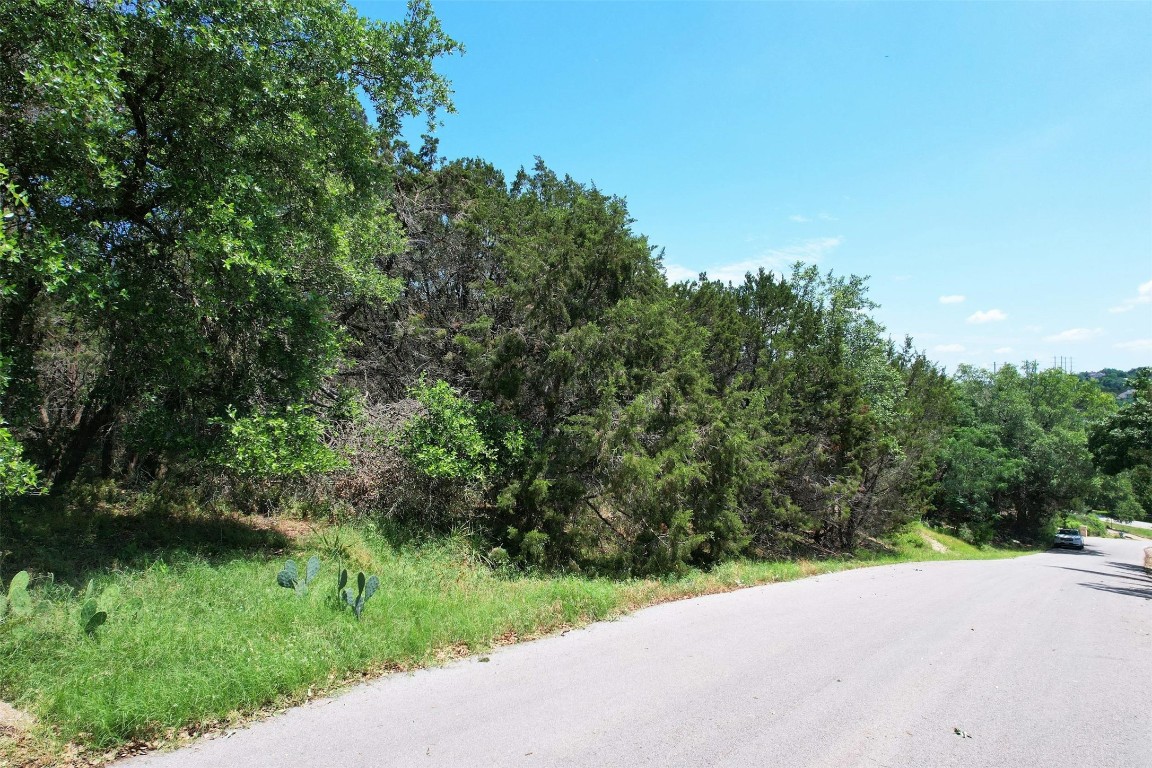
x=1026 y=445
x=220 y=273
x=1112 y=380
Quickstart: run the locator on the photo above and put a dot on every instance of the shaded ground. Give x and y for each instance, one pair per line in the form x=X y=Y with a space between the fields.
x=73 y=544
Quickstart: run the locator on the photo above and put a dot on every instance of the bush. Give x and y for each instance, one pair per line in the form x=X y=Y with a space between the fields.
x=1094 y=524
x=456 y=439
x=277 y=443
x=17 y=476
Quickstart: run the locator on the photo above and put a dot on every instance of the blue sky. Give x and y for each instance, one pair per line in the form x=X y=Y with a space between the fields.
x=987 y=165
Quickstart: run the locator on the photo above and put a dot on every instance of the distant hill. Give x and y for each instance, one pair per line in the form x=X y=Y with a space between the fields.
x=1111 y=380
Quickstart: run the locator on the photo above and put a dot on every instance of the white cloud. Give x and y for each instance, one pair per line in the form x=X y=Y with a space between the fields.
x=734 y=273
x=800 y=218
x=1135 y=344
x=676 y=273
x=901 y=278
x=991 y=316
x=1143 y=296
x=1075 y=334
x=948 y=348
x=1033 y=328
x=809 y=251
x=773 y=260
x=953 y=299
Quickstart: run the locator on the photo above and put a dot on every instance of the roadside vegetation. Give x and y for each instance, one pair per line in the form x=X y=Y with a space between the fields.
x=244 y=320
x=1090 y=522
x=197 y=637
x=1131 y=530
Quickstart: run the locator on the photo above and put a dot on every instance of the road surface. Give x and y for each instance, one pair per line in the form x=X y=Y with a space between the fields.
x=1133 y=523
x=1044 y=660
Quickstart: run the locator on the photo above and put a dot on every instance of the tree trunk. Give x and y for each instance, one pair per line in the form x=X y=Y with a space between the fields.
x=71 y=460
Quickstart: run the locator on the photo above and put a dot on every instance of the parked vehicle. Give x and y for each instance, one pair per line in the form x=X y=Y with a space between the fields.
x=1068 y=537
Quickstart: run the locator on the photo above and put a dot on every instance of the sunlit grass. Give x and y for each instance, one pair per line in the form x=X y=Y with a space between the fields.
x=1131 y=530
x=190 y=642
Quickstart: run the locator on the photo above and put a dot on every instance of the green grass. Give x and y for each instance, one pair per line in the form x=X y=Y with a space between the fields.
x=1132 y=530
x=192 y=641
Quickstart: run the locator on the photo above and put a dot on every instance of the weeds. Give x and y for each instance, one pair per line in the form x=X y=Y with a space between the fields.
x=180 y=645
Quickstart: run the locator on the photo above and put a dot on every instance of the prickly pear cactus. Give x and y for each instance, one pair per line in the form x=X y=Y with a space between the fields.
x=290 y=578
x=371 y=587
x=91 y=618
x=365 y=588
x=18 y=603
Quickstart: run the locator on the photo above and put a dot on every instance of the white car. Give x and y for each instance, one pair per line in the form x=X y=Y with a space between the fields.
x=1068 y=537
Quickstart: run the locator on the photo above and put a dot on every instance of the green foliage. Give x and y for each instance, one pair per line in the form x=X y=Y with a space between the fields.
x=1116 y=495
x=291 y=578
x=832 y=427
x=664 y=426
x=498 y=558
x=455 y=439
x=1018 y=454
x=194 y=195
x=1112 y=380
x=17 y=475
x=1093 y=523
x=281 y=443
x=978 y=471
x=1121 y=446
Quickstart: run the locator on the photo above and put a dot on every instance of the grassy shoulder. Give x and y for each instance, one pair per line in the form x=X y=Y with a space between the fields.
x=194 y=641
x=1131 y=530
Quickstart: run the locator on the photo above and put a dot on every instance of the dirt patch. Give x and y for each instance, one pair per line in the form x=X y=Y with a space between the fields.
x=18 y=748
x=936 y=546
x=12 y=720
x=289 y=528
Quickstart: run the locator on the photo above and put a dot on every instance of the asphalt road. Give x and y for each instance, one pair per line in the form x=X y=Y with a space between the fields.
x=1045 y=660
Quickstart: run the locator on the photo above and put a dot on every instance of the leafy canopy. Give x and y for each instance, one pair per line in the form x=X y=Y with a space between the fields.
x=201 y=191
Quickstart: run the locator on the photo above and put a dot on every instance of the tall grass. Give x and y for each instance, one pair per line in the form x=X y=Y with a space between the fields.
x=187 y=641
x=191 y=642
